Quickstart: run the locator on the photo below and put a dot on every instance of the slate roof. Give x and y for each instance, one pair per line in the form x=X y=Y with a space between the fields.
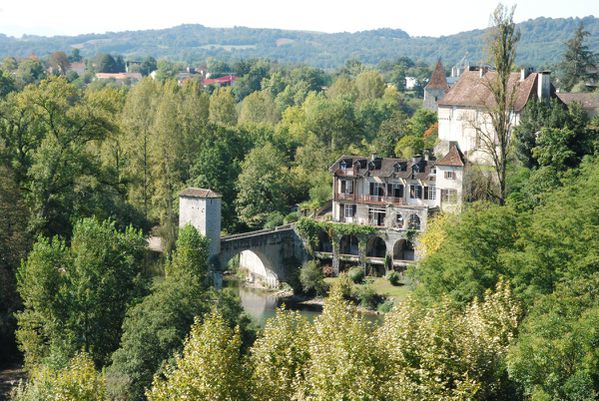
x=199 y=193
x=589 y=101
x=438 y=79
x=453 y=158
x=416 y=168
x=471 y=90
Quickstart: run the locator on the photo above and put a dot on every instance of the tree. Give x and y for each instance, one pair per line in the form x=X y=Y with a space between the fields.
x=148 y=65
x=370 y=85
x=279 y=357
x=155 y=328
x=75 y=297
x=556 y=355
x=75 y=56
x=345 y=363
x=79 y=381
x=502 y=51
x=222 y=107
x=263 y=185
x=30 y=71
x=106 y=63
x=258 y=107
x=59 y=63
x=209 y=368
x=579 y=63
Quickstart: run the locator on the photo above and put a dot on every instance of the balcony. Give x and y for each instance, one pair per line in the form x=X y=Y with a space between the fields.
x=348 y=172
x=345 y=197
x=381 y=200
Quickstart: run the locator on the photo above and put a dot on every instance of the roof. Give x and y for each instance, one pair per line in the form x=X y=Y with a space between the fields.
x=118 y=75
x=415 y=168
x=453 y=158
x=471 y=90
x=438 y=79
x=228 y=79
x=589 y=101
x=199 y=193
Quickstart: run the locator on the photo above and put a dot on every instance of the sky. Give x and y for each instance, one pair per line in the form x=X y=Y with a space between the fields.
x=416 y=17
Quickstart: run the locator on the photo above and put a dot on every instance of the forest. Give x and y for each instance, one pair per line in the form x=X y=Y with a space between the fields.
x=542 y=40
x=505 y=299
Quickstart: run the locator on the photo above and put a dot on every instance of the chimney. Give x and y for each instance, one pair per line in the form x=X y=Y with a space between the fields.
x=544 y=85
x=525 y=72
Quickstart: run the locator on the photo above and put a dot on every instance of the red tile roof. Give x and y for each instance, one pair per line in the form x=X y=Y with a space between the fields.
x=228 y=79
x=588 y=101
x=438 y=79
x=453 y=158
x=199 y=193
x=472 y=90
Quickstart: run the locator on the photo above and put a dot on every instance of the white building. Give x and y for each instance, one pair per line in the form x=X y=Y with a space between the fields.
x=395 y=193
x=463 y=111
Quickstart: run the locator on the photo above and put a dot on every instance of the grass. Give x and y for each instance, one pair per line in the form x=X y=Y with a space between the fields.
x=382 y=286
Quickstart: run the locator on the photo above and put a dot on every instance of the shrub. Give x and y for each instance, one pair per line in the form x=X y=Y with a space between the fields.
x=386 y=306
x=368 y=298
x=394 y=278
x=274 y=219
x=356 y=274
x=291 y=218
x=312 y=279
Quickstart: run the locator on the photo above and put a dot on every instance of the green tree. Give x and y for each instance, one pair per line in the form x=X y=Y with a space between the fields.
x=75 y=297
x=370 y=85
x=79 y=381
x=263 y=185
x=578 y=61
x=258 y=107
x=209 y=368
x=222 y=107
x=148 y=65
x=279 y=357
x=29 y=71
x=344 y=360
x=556 y=355
x=59 y=62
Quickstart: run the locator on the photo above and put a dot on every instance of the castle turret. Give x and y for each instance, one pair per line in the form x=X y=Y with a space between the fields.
x=436 y=88
x=202 y=209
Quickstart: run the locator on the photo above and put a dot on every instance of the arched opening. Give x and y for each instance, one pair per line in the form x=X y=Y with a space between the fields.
x=403 y=250
x=256 y=268
x=348 y=245
x=414 y=222
x=376 y=248
x=324 y=242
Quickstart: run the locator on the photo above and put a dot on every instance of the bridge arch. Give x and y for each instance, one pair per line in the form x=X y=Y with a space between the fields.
x=259 y=266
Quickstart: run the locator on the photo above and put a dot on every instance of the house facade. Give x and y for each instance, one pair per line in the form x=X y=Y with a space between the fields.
x=396 y=194
x=463 y=113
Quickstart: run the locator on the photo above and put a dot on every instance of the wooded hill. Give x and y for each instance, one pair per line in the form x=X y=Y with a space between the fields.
x=541 y=44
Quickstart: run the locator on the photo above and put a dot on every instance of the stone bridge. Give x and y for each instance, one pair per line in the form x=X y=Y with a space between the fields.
x=270 y=256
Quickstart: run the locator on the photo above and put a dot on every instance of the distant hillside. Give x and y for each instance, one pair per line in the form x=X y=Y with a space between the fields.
x=541 y=44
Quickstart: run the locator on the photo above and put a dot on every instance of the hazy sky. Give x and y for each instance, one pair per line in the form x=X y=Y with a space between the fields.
x=417 y=17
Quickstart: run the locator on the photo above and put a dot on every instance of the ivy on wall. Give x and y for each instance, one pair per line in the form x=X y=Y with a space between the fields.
x=308 y=229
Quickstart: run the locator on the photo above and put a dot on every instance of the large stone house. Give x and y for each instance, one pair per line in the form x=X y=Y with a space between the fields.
x=395 y=193
x=463 y=111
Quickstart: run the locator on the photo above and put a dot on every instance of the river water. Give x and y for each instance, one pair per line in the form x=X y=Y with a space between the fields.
x=261 y=304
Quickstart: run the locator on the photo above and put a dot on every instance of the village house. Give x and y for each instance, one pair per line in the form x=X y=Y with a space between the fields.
x=395 y=193
x=463 y=110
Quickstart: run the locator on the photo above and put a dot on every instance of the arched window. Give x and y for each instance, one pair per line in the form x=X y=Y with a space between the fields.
x=414 y=222
x=399 y=220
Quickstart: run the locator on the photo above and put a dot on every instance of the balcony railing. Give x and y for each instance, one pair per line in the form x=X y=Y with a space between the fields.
x=381 y=200
x=344 y=197
x=344 y=172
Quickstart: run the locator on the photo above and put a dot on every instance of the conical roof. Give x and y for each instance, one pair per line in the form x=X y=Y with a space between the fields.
x=438 y=80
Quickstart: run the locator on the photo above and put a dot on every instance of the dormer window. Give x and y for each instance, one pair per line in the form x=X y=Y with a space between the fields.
x=343 y=166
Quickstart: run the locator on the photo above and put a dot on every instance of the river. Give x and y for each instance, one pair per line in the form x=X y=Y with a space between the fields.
x=261 y=304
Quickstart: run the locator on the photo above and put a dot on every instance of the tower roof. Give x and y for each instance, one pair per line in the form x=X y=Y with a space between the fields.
x=438 y=79
x=453 y=158
x=199 y=193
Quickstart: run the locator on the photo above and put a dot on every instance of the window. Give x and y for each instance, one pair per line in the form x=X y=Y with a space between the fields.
x=343 y=165
x=449 y=175
x=415 y=192
x=449 y=196
x=414 y=222
x=399 y=220
x=429 y=192
x=347 y=187
x=377 y=189
x=349 y=210
x=395 y=190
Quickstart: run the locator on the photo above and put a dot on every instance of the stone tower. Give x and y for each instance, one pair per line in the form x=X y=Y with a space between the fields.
x=436 y=88
x=202 y=209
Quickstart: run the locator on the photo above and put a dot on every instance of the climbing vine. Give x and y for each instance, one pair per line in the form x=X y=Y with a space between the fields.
x=309 y=229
